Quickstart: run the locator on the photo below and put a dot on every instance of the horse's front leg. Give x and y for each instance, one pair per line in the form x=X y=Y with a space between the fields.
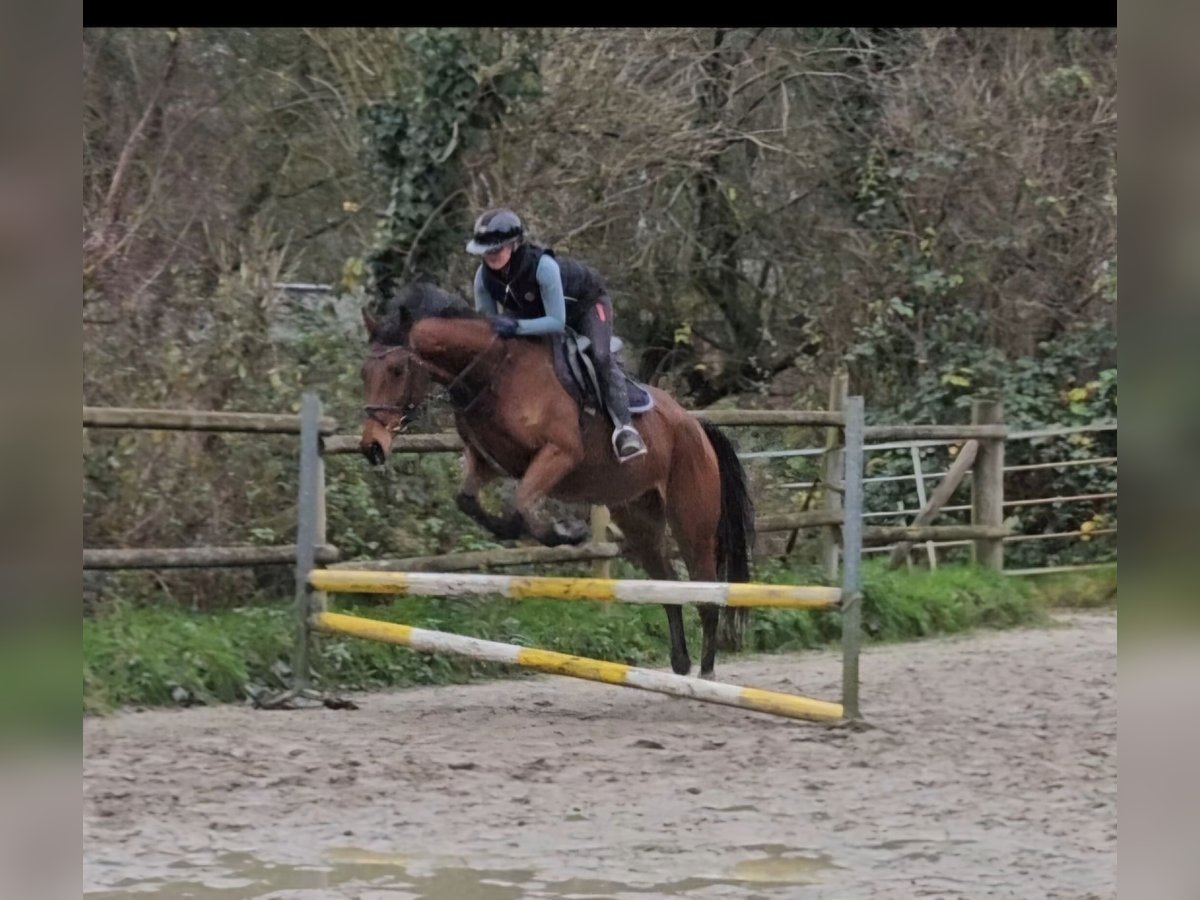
x=548 y=467
x=477 y=474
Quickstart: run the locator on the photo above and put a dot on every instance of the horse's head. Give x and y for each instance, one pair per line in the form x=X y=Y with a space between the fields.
x=394 y=381
x=395 y=376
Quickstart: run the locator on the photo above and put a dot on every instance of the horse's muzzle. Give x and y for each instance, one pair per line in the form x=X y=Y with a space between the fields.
x=377 y=440
x=374 y=453
x=378 y=432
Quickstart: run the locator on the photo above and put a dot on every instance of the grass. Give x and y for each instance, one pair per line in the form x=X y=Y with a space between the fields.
x=1089 y=589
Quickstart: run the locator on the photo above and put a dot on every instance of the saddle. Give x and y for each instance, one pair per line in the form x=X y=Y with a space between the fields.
x=577 y=373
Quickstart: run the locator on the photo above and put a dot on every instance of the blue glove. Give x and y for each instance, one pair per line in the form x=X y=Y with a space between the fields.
x=504 y=326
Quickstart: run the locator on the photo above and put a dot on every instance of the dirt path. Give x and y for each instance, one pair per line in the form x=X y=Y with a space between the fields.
x=989 y=771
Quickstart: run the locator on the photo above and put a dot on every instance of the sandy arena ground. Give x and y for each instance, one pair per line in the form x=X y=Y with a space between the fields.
x=988 y=769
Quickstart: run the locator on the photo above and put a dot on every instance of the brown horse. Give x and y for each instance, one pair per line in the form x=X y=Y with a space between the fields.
x=516 y=419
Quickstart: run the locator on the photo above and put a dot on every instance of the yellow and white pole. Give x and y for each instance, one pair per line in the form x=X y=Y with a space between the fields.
x=425 y=641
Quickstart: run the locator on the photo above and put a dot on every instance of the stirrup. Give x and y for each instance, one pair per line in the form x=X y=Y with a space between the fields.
x=640 y=451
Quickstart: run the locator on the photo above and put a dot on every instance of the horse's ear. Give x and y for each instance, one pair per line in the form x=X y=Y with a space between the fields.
x=370 y=321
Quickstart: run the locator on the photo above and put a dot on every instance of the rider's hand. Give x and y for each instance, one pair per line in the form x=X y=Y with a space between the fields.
x=504 y=326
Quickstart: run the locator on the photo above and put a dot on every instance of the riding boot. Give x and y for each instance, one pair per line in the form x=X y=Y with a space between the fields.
x=627 y=443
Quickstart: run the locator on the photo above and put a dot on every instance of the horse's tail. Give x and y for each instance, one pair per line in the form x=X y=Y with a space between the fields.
x=735 y=531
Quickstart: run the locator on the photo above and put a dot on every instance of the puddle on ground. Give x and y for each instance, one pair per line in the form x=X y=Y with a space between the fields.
x=246 y=878
x=240 y=876
x=781 y=865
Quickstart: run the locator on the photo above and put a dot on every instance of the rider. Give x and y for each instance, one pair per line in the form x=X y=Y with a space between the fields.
x=540 y=293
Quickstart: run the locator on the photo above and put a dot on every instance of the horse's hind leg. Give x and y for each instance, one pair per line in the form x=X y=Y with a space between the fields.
x=694 y=510
x=644 y=526
x=700 y=553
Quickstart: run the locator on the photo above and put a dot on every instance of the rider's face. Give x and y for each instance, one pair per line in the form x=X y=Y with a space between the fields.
x=498 y=259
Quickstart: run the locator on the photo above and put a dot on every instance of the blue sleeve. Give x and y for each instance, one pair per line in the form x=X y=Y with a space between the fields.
x=483 y=300
x=550 y=282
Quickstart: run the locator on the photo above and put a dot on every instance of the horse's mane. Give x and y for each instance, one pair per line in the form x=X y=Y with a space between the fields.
x=414 y=302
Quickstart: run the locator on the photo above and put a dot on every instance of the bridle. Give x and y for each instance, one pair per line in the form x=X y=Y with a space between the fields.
x=455 y=388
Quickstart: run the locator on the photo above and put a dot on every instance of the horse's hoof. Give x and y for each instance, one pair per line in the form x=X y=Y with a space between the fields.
x=708 y=676
x=571 y=532
x=681 y=666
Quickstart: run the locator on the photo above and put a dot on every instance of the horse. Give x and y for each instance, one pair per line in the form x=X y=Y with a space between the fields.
x=516 y=419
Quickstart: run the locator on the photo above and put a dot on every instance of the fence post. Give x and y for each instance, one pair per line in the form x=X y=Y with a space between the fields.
x=833 y=461
x=987 y=484
x=311 y=523
x=852 y=541
x=601 y=568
